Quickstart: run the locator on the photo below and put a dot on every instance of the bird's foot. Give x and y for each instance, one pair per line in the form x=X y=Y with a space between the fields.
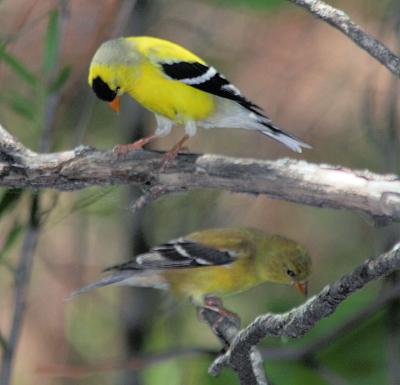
x=215 y=304
x=121 y=149
x=167 y=158
x=214 y=313
x=173 y=152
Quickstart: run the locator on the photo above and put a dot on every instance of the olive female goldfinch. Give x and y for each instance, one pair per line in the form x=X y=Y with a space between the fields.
x=179 y=87
x=214 y=262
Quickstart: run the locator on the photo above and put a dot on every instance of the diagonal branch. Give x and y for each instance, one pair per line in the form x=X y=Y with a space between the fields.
x=311 y=348
x=341 y=21
x=317 y=185
x=226 y=326
x=300 y=320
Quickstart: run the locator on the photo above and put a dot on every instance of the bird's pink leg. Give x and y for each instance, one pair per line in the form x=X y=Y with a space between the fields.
x=173 y=152
x=215 y=303
x=213 y=312
x=125 y=148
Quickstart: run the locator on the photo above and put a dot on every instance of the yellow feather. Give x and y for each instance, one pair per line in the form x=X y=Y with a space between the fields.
x=144 y=80
x=159 y=49
x=170 y=98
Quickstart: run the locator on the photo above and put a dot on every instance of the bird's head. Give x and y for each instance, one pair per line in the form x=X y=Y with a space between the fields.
x=287 y=262
x=112 y=70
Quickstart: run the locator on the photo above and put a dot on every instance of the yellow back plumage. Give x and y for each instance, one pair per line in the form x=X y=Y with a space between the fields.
x=155 y=48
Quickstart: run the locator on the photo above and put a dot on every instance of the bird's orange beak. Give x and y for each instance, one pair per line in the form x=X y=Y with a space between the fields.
x=115 y=103
x=302 y=287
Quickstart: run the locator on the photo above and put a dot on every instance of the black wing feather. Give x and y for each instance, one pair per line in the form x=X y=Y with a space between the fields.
x=217 y=85
x=184 y=70
x=178 y=254
x=195 y=253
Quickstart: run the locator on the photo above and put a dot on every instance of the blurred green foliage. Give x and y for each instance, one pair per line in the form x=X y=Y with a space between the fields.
x=18 y=67
x=10 y=239
x=9 y=199
x=52 y=43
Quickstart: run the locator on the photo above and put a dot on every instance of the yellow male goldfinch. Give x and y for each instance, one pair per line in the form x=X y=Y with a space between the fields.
x=179 y=87
x=214 y=262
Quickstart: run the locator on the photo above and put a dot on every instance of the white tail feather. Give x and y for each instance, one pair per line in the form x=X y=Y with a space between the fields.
x=293 y=143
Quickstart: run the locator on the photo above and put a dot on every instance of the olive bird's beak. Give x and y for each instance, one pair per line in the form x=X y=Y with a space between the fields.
x=302 y=287
x=115 y=103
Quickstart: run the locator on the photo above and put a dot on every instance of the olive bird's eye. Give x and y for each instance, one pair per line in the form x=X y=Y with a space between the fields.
x=291 y=273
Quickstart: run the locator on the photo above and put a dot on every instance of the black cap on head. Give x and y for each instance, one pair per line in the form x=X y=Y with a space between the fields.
x=102 y=90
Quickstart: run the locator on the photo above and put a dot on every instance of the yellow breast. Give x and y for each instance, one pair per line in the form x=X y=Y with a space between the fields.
x=218 y=280
x=170 y=98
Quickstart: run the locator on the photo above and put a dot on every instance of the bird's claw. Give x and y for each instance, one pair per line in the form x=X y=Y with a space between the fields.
x=213 y=302
x=122 y=149
x=173 y=152
x=218 y=318
x=167 y=158
x=216 y=305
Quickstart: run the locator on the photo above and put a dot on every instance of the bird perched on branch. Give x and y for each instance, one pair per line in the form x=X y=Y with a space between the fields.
x=212 y=263
x=179 y=87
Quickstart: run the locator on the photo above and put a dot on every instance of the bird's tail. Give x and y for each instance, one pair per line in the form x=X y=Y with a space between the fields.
x=125 y=277
x=244 y=114
x=112 y=279
x=289 y=140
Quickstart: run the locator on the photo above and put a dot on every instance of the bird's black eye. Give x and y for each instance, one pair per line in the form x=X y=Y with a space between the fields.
x=102 y=90
x=291 y=273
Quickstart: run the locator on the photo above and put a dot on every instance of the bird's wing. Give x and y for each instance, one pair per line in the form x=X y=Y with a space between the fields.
x=207 y=79
x=179 y=253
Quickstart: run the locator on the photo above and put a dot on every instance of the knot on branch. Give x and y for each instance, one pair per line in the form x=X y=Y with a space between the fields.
x=7 y=158
x=390 y=202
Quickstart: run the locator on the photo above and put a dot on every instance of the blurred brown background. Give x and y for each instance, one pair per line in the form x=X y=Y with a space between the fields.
x=310 y=79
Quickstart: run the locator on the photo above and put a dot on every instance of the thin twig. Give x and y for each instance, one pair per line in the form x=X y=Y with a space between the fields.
x=150 y=195
x=22 y=277
x=341 y=21
x=3 y=342
x=326 y=373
